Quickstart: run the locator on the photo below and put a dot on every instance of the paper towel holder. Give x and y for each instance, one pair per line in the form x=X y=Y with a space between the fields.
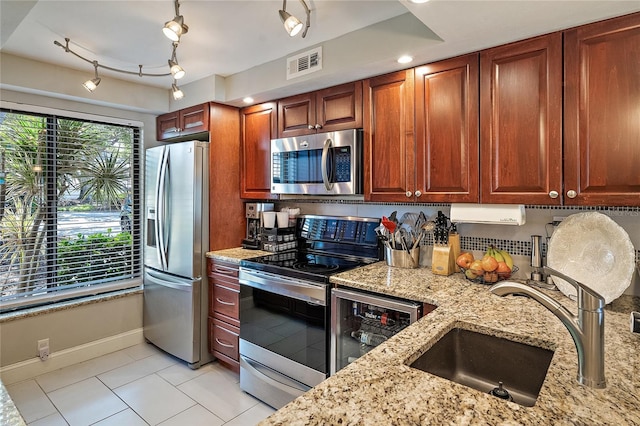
x=488 y=214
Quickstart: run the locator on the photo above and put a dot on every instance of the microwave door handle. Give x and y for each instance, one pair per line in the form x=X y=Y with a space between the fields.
x=325 y=172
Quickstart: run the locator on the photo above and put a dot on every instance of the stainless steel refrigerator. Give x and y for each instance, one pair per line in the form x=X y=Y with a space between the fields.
x=176 y=239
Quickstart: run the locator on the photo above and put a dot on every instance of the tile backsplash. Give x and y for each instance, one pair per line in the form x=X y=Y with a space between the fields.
x=476 y=237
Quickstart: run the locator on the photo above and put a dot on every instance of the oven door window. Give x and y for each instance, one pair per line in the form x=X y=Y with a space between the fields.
x=290 y=327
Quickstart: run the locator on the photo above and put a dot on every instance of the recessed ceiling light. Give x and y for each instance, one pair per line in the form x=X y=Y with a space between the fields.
x=248 y=100
x=418 y=1
x=405 y=59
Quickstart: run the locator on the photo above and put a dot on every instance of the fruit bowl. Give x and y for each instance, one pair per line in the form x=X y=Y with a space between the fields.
x=490 y=277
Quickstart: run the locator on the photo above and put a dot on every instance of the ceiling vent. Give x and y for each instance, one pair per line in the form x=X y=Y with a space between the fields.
x=304 y=63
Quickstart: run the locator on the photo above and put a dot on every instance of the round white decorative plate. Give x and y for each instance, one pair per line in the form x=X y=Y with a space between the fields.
x=594 y=250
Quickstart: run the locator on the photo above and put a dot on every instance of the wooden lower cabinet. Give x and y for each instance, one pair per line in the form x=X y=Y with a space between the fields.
x=224 y=321
x=223 y=343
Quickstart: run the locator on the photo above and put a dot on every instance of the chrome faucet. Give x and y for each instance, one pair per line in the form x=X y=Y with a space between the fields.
x=586 y=329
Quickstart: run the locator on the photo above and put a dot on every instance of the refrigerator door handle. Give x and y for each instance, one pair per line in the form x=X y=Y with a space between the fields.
x=160 y=206
x=170 y=282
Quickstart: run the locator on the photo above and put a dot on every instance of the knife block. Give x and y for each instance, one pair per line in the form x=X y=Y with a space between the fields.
x=442 y=262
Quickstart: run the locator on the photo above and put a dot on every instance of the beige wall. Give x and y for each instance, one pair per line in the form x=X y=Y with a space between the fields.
x=68 y=328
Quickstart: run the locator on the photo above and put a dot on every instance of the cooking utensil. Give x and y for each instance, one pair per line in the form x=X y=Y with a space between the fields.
x=390 y=226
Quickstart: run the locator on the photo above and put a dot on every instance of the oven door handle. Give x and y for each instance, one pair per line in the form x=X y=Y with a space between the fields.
x=284 y=286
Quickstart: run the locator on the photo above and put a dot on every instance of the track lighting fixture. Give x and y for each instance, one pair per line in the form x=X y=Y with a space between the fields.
x=176 y=92
x=175 y=28
x=176 y=70
x=292 y=24
x=92 y=84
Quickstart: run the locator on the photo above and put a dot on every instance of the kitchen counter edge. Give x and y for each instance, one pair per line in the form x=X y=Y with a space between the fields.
x=380 y=387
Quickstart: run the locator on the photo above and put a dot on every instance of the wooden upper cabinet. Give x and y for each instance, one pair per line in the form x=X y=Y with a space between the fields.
x=225 y=205
x=521 y=122
x=257 y=127
x=184 y=122
x=389 y=146
x=447 y=130
x=602 y=113
x=335 y=108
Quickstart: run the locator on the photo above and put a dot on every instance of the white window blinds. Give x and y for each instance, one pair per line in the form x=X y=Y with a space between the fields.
x=69 y=208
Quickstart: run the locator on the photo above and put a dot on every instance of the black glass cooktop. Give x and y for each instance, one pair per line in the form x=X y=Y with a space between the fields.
x=298 y=264
x=327 y=245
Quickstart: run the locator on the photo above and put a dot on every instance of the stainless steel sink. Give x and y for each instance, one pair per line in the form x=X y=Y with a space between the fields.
x=480 y=361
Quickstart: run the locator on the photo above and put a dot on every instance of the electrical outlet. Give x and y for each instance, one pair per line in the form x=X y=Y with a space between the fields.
x=558 y=219
x=43 y=349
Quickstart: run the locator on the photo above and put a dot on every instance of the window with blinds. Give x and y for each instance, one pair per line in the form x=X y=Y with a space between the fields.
x=69 y=209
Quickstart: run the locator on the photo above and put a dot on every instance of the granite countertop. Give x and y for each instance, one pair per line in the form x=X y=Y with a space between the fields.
x=235 y=255
x=380 y=389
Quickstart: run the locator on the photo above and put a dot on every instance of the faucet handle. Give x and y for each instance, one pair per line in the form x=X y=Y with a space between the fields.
x=594 y=299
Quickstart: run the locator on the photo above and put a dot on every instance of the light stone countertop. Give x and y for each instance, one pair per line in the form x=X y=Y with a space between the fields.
x=235 y=255
x=380 y=389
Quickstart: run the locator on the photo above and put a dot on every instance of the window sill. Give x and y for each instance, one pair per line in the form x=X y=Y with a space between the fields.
x=70 y=304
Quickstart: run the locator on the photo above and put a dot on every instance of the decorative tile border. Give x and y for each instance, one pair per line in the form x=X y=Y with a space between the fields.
x=516 y=248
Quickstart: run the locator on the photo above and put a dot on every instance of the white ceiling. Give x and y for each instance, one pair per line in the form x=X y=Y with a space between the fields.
x=230 y=37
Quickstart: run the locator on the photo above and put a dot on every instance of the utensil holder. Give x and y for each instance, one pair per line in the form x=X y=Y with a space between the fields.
x=402 y=258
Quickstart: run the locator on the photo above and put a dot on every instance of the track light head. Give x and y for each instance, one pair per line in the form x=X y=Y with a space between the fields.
x=175 y=28
x=92 y=84
x=291 y=24
x=176 y=92
x=176 y=70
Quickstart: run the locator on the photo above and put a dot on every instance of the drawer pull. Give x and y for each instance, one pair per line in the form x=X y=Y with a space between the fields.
x=221 y=343
x=222 y=302
x=223 y=271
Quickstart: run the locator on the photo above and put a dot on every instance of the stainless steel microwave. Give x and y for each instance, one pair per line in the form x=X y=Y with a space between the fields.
x=319 y=164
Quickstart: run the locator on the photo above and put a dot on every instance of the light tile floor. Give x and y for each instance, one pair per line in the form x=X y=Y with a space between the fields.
x=140 y=385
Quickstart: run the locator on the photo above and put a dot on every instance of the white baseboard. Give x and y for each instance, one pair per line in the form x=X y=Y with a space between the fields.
x=34 y=367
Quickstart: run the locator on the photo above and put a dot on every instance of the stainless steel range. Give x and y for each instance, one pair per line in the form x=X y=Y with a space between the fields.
x=285 y=305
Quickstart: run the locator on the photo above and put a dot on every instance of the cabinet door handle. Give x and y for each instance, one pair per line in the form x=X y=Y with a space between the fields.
x=223 y=271
x=221 y=343
x=318 y=126
x=222 y=302
x=408 y=194
x=418 y=193
x=310 y=126
x=571 y=193
x=553 y=194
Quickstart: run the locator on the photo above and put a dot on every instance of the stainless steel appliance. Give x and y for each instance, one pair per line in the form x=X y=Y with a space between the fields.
x=175 y=242
x=320 y=164
x=253 y=214
x=285 y=306
x=361 y=321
